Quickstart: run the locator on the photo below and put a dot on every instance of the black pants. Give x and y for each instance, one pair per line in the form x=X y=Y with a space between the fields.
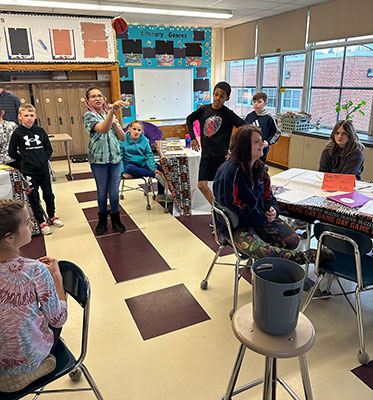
x=44 y=182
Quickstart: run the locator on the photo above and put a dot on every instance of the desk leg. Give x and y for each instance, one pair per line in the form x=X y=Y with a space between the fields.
x=307 y=284
x=52 y=171
x=68 y=159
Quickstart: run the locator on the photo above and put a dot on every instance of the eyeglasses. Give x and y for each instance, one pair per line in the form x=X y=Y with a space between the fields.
x=96 y=96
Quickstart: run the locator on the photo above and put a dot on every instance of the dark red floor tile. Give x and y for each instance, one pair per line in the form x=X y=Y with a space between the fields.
x=80 y=175
x=130 y=255
x=365 y=373
x=86 y=196
x=35 y=249
x=199 y=226
x=165 y=311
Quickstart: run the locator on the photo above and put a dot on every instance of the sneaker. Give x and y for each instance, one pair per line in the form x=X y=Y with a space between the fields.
x=162 y=198
x=326 y=256
x=44 y=228
x=57 y=222
x=211 y=224
x=162 y=180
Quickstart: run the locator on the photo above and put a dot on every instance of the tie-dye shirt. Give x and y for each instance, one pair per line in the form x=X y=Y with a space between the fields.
x=102 y=148
x=28 y=302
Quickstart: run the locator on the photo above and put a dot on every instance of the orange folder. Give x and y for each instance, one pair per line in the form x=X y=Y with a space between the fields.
x=338 y=182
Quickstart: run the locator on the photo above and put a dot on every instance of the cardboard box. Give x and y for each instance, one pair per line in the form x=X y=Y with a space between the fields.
x=81 y=75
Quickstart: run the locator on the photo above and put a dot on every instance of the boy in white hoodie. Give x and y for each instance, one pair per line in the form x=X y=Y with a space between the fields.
x=262 y=119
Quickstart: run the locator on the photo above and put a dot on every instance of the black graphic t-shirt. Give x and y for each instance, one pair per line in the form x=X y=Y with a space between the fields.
x=216 y=129
x=32 y=148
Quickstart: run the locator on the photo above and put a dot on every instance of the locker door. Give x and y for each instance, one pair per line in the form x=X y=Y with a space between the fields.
x=48 y=120
x=75 y=119
x=81 y=88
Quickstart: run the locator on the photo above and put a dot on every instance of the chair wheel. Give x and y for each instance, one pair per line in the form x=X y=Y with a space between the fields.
x=231 y=314
x=165 y=210
x=154 y=196
x=363 y=358
x=75 y=374
x=121 y=197
x=144 y=194
x=204 y=284
x=148 y=207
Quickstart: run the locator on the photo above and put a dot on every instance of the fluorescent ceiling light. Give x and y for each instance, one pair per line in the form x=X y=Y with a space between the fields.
x=118 y=9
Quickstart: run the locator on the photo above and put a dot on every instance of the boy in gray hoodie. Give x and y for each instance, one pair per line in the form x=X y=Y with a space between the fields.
x=262 y=119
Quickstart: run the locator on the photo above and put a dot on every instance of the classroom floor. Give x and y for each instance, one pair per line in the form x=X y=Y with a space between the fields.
x=154 y=334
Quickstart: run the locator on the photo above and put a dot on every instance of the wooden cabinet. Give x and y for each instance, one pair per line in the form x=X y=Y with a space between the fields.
x=279 y=152
x=305 y=151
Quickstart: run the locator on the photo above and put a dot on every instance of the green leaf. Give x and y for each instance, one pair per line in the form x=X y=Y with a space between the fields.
x=338 y=109
x=361 y=112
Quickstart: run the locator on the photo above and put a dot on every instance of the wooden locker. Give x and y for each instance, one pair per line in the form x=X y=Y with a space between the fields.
x=75 y=118
x=45 y=102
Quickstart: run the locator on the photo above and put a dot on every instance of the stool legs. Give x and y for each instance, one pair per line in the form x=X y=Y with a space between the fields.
x=234 y=376
x=305 y=377
x=268 y=374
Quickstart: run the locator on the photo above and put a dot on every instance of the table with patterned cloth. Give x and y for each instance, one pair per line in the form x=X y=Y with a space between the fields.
x=316 y=205
x=180 y=166
x=19 y=191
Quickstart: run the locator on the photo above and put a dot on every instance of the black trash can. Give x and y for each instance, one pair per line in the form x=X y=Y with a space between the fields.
x=277 y=293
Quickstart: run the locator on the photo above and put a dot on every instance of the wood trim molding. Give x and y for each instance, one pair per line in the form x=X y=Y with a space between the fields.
x=58 y=67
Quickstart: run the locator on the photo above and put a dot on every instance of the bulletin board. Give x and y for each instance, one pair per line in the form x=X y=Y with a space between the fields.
x=164 y=48
x=45 y=38
x=163 y=93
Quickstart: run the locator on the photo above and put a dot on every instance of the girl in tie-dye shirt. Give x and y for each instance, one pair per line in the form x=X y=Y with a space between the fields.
x=31 y=297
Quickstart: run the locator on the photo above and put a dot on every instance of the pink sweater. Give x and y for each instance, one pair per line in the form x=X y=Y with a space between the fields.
x=28 y=302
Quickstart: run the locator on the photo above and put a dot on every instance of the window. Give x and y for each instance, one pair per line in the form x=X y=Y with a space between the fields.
x=242 y=78
x=291 y=100
x=272 y=95
x=340 y=75
x=244 y=97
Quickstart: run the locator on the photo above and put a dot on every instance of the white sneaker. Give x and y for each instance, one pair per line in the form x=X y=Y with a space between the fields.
x=44 y=228
x=57 y=222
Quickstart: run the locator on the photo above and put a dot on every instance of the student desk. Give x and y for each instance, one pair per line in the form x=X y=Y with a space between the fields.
x=298 y=193
x=65 y=138
x=181 y=171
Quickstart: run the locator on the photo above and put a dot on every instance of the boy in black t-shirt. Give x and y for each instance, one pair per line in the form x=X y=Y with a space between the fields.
x=216 y=123
x=261 y=118
x=30 y=146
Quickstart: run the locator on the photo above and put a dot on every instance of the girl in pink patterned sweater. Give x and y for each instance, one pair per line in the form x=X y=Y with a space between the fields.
x=31 y=297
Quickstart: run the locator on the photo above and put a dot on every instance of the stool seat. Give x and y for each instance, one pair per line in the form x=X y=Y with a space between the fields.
x=297 y=342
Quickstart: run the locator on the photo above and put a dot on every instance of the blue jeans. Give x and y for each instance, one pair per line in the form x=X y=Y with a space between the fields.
x=134 y=170
x=107 y=181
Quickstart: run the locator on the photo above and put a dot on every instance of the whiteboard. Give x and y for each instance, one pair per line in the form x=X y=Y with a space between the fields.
x=163 y=93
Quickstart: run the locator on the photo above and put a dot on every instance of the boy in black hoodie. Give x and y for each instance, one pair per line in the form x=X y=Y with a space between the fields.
x=30 y=146
x=263 y=120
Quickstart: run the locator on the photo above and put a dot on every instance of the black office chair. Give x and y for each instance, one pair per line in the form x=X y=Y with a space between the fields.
x=352 y=263
x=77 y=285
x=230 y=220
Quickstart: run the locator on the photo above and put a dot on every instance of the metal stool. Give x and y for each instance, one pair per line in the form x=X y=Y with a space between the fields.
x=295 y=344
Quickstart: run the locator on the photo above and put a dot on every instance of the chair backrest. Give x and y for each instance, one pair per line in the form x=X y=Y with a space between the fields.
x=152 y=132
x=75 y=282
x=363 y=241
x=232 y=217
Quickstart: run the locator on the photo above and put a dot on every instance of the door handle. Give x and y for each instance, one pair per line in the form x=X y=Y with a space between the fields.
x=60 y=119
x=72 y=120
x=49 y=121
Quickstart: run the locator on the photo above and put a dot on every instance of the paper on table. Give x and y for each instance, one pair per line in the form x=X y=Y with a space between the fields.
x=367 y=208
x=293 y=196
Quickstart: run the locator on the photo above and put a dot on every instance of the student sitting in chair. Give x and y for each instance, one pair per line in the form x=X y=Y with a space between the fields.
x=344 y=153
x=32 y=296
x=138 y=159
x=243 y=185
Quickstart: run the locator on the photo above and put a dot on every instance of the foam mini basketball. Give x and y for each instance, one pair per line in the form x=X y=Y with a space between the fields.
x=119 y=25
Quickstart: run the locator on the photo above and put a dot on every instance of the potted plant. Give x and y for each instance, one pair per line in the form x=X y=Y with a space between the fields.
x=350 y=108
